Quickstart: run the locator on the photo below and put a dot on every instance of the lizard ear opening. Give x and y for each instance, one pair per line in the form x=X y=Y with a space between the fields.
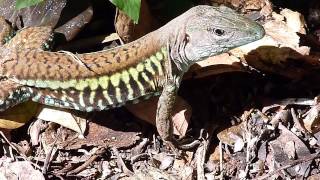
x=187 y=38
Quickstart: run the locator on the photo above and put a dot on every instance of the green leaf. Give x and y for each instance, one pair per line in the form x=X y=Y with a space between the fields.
x=26 y=3
x=130 y=7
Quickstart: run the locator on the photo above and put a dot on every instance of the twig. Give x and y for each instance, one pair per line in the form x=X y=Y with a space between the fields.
x=189 y=146
x=98 y=153
x=49 y=155
x=139 y=157
x=121 y=163
x=200 y=154
x=221 y=159
x=291 y=164
x=140 y=147
x=205 y=135
x=14 y=147
x=296 y=121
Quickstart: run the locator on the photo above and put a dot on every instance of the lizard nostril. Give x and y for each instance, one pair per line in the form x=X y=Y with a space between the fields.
x=259 y=31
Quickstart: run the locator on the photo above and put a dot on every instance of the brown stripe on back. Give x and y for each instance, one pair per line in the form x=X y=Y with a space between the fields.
x=66 y=66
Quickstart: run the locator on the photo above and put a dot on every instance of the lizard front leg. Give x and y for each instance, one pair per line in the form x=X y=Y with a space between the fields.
x=164 y=111
x=166 y=104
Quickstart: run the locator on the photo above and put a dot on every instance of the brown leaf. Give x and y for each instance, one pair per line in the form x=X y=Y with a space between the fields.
x=64 y=118
x=17 y=116
x=232 y=134
x=312 y=119
x=103 y=129
x=280 y=154
x=215 y=65
x=146 y=110
x=19 y=170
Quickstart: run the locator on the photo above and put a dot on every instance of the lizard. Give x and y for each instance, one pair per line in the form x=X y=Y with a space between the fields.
x=152 y=65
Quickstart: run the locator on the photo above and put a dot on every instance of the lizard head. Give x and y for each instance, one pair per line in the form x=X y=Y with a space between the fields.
x=208 y=31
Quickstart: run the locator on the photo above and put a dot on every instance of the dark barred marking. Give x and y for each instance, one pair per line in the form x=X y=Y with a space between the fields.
x=135 y=88
x=112 y=94
x=124 y=91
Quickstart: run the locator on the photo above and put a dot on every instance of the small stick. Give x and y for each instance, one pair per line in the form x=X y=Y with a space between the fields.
x=289 y=165
x=49 y=155
x=221 y=159
x=121 y=163
x=13 y=147
x=98 y=153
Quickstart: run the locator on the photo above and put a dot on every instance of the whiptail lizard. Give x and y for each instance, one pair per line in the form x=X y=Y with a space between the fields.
x=149 y=66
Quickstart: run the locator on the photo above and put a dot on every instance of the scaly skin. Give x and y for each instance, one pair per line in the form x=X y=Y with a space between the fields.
x=12 y=93
x=128 y=73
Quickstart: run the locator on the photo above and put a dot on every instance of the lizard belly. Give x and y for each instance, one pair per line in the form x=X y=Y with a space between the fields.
x=129 y=85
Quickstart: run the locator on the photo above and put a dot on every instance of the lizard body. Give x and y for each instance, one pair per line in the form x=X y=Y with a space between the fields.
x=109 y=78
x=138 y=70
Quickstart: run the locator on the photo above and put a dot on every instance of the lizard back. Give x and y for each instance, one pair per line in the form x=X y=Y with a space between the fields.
x=90 y=81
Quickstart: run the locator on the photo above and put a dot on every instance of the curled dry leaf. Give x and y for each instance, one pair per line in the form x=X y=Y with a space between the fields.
x=19 y=170
x=294 y=20
x=103 y=129
x=279 y=51
x=312 y=119
x=219 y=64
x=64 y=118
x=111 y=37
x=232 y=134
x=282 y=154
x=279 y=33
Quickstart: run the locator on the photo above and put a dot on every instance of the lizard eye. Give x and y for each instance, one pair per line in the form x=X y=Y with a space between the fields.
x=218 y=32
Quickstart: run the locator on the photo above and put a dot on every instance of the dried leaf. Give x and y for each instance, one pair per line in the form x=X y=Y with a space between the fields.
x=278 y=34
x=111 y=37
x=294 y=20
x=232 y=134
x=63 y=118
x=280 y=154
x=215 y=65
x=238 y=145
x=103 y=129
x=146 y=110
x=17 y=116
x=312 y=119
x=19 y=170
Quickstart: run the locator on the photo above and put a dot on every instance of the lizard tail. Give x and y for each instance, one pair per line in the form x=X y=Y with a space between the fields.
x=12 y=94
